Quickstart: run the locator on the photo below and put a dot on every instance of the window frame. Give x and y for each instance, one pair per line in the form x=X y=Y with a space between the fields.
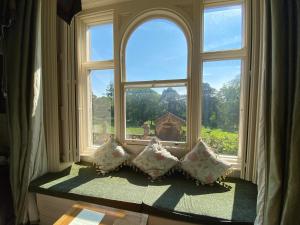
x=138 y=21
x=239 y=54
x=125 y=19
x=83 y=22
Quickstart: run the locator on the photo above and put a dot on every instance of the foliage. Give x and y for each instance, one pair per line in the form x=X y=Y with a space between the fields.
x=221 y=108
x=142 y=104
x=171 y=101
x=222 y=142
x=220 y=115
x=228 y=105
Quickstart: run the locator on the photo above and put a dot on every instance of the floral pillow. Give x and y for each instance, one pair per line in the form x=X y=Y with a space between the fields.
x=109 y=157
x=201 y=163
x=155 y=160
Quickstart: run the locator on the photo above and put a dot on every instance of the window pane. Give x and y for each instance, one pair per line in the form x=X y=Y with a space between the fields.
x=102 y=97
x=221 y=105
x=156 y=50
x=159 y=112
x=101 y=42
x=222 y=28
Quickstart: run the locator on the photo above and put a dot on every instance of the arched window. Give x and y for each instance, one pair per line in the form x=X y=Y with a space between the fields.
x=156 y=71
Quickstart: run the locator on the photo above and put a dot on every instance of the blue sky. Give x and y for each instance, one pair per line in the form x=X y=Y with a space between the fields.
x=157 y=49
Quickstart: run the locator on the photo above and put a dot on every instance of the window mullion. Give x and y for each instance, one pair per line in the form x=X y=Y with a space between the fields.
x=156 y=83
x=232 y=54
x=214 y=3
x=98 y=65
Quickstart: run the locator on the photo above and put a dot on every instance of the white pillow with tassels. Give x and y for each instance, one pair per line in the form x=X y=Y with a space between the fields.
x=109 y=157
x=155 y=160
x=203 y=165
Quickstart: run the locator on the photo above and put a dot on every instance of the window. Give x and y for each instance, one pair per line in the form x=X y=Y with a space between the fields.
x=156 y=82
x=142 y=118
x=162 y=73
x=222 y=28
x=102 y=105
x=221 y=105
x=100 y=42
x=222 y=71
x=96 y=82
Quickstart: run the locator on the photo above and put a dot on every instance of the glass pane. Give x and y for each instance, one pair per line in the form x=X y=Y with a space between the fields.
x=156 y=50
x=159 y=112
x=101 y=42
x=102 y=95
x=221 y=105
x=222 y=28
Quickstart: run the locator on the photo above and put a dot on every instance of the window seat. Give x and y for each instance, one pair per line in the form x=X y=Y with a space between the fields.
x=173 y=197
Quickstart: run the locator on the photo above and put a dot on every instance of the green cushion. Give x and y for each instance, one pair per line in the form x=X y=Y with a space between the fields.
x=133 y=191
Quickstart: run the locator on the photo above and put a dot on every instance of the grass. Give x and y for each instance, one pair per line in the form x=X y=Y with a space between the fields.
x=134 y=130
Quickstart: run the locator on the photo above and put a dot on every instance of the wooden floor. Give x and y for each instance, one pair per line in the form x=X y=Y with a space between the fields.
x=52 y=208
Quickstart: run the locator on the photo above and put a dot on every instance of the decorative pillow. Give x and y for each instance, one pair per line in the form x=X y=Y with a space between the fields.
x=155 y=160
x=201 y=163
x=109 y=157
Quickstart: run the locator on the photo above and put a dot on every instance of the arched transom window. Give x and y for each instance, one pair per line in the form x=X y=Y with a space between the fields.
x=156 y=71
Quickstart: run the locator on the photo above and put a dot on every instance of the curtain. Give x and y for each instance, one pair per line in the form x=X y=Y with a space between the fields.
x=28 y=160
x=66 y=9
x=279 y=126
x=7 y=15
x=249 y=158
x=66 y=67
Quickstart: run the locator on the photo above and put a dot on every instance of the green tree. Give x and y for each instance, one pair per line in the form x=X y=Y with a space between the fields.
x=142 y=105
x=171 y=101
x=228 y=105
x=209 y=106
x=110 y=94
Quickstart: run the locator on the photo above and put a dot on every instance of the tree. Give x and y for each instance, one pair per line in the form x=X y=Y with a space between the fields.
x=228 y=105
x=110 y=90
x=209 y=106
x=142 y=105
x=171 y=101
x=110 y=94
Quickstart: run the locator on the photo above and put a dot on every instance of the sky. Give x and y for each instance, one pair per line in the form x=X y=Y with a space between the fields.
x=157 y=49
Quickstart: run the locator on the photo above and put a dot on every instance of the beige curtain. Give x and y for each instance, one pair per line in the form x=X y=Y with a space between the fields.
x=28 y=158
x=279 y=117
x=67 y=90
x=249 y=159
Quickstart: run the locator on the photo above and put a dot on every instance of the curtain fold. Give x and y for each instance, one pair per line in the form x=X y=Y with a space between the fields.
x=279 y=128
x=22 y=52
x=250 y=157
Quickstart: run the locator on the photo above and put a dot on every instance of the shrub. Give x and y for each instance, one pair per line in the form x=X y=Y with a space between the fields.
x=222 y=141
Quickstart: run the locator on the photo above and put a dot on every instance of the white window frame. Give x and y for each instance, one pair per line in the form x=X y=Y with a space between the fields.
x=83 y=22
x=238 y=54
x=138 y=21
x=193 y=30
